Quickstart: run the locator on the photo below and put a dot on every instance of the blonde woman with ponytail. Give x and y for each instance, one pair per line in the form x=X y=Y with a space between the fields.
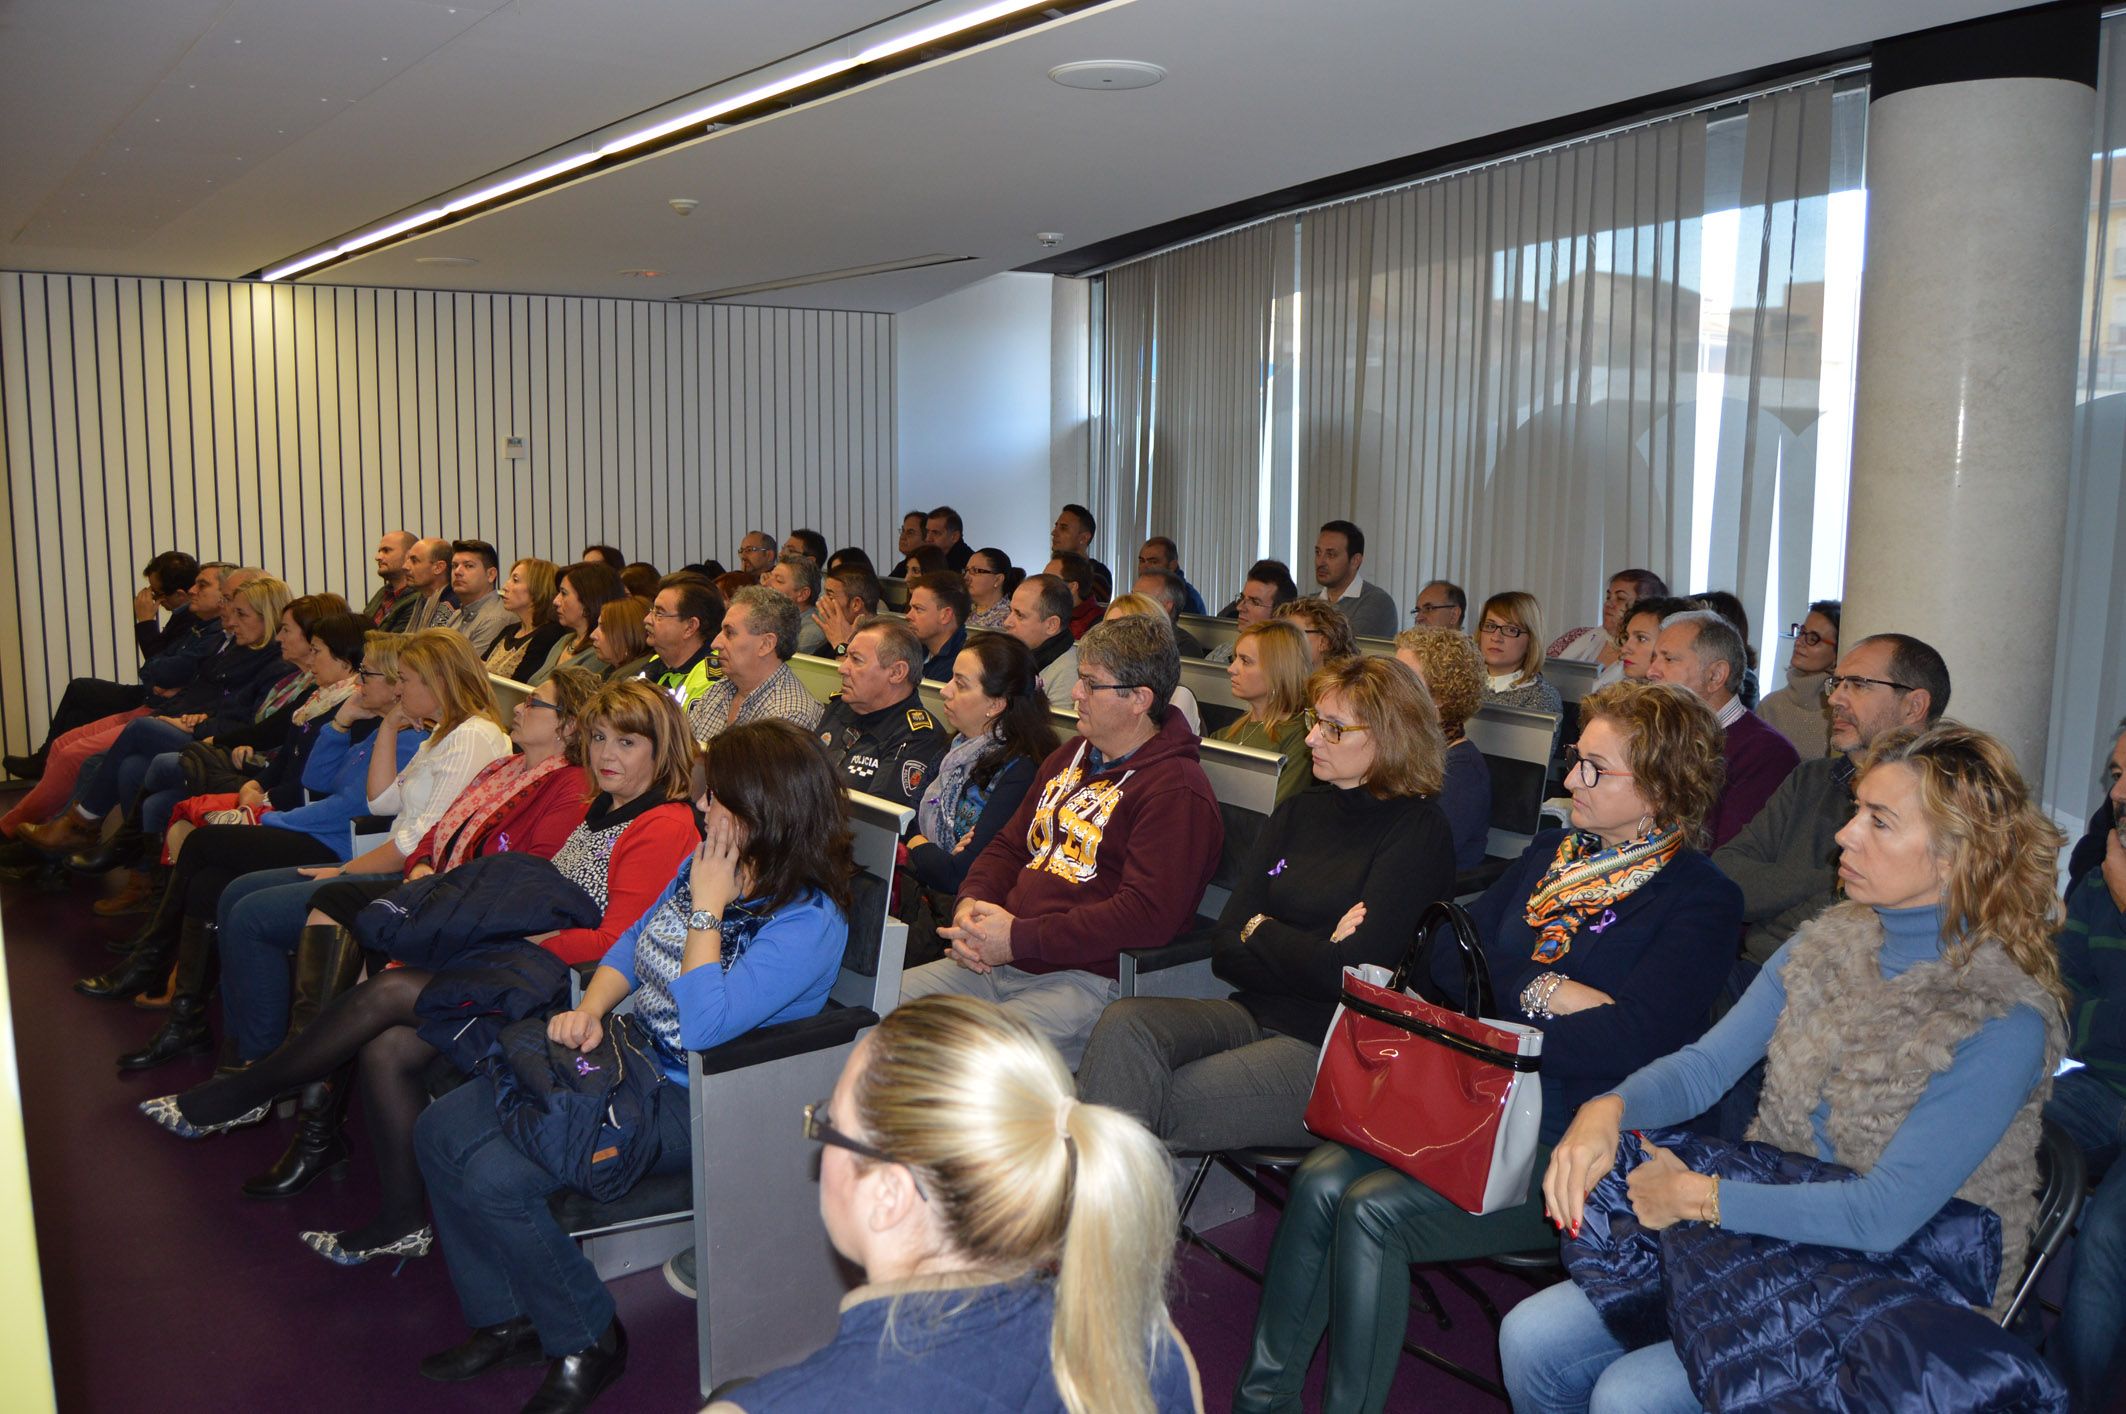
x=1016 y=1243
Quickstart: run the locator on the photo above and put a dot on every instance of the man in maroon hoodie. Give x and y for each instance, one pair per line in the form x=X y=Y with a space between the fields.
x=1111 y=849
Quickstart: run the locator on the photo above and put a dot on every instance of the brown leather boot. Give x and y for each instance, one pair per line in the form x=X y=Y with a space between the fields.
x=61 y=836
x=142 y=888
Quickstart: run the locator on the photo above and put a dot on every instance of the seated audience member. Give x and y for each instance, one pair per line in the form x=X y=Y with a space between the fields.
x=1509 y=633
x=1729 y=606
x=1269 y=677
x=390 y=558
x=223 y=696
x=1268 y=588
x=848 y=595
x=680 y=625
x=937 y=611
x=710 y=569
x=1335 y=879
x=1339 y=552
x=990 y=578
x=1642 y=629
x=1015 y=1242
x=944 y=529
x=1073 y=534
x=585 y=588
x=1910 y=1035
x=731 y=581
x=638 y=831
x=797 y=579
x=1161 y=555
x=877 y=732
x=641 y=578
x=2089 y=1344
x=754 y=645
x=851 y=555
x=1131 y=606
x=1785 y=860
x=1112 y=848
x=749 y=933
x=914 y=527
x=1170 y=592
x=286 y=830
x=1797 y=710
x=1087 y=604
x=1446 y=662
x=524 y=647
x=426 y=602
x=607 y=555
x=809 y=543
x=1440 y=604
x=622 y=640
x=1701 y=651
x=926 y=559
x=1328 y=632
x=1598 y=643
x=1614 y=936
x=170 y=652
x=481 y=615
x=756 y=554
x=1040 y=619
x=1003 y=732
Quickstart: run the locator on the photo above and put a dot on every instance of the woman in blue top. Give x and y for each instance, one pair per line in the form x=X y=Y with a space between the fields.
x=1015 y=1242
x=1909 y=1033
x=750 y=932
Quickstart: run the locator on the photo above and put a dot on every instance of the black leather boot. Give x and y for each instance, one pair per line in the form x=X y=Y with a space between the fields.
x=185 y=1032
x=319 y=1146
x=102 y=856
x=574 y=1382
x=327 y=960
x=509 y=1346
x=148 y=963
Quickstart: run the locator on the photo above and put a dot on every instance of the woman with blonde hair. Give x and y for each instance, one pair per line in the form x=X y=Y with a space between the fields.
x=1509 y=634
x=1335 y=878
x=1910 y=1034
x=1446 y=663
x=523 y=648
x=1015 y=1242
x=1269 y=677
x=621 y=639
x=1143 y=606
x=1613 y=937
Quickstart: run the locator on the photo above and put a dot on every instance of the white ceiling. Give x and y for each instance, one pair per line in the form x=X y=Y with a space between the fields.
x=141 y=137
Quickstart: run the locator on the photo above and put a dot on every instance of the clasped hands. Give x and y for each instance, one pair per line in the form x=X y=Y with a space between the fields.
x=980 y=934
x=1663 y=1191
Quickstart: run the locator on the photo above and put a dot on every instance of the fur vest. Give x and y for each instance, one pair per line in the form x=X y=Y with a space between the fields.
x=1868 y=1045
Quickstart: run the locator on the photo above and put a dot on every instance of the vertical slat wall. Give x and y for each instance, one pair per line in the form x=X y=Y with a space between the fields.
x=291 y=426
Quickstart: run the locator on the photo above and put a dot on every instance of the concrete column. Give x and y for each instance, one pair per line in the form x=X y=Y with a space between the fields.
x=1978 y=193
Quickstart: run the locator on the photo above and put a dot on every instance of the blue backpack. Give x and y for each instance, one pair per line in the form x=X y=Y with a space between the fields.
x=588 y=1118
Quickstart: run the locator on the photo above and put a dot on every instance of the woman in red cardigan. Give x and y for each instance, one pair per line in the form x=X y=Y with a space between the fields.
x=626 y=848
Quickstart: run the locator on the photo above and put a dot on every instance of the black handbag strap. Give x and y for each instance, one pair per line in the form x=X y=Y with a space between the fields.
x=1440 y=1035
x=1476 y=973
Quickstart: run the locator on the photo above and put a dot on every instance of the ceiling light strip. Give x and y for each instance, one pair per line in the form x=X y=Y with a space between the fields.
x=829 y=74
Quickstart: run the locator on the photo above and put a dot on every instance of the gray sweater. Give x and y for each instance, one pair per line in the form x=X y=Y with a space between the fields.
x=1786 y=859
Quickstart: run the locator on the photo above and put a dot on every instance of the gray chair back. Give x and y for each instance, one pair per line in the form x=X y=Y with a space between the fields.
x=878 y=942
x=508 y=694
x=1516 y=744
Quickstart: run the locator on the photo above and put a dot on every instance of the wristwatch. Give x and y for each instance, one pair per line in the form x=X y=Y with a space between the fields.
x=701 y=919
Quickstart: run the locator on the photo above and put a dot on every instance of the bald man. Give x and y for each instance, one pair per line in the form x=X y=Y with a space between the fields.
x=392 y=547
x=423 y=601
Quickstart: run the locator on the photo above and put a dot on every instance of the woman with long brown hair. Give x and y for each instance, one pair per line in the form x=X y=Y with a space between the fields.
x=1910 y=1034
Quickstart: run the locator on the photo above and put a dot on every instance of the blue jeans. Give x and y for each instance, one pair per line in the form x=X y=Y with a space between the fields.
x=162 y=785
x=2086 y=1348
x=259 y=917
x=508 y=1256
x=115 y=780
x=1559 y=1358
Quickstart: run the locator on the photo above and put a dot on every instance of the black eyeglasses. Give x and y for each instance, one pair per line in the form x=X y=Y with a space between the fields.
x=553 y=707
x=820 y=1131
x=1578 y=767
x=372 y=673
x=1090 y=686
x=1834 y=682
x=1810 y=637
x=1493 y=626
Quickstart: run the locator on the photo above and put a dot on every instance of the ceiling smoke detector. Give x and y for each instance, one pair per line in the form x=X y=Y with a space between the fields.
x=1049 y=239
x=1107 y=74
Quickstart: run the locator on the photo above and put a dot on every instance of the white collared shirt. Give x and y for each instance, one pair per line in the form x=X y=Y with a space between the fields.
x=1351 y=590
x=1731 y=713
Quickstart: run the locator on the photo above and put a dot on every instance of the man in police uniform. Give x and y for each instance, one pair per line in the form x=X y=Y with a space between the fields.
x=883 y=741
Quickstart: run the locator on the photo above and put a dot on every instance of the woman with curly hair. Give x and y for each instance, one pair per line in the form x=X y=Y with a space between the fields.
x=1910 y=1034
x=1329 y=633
x=1446 y=662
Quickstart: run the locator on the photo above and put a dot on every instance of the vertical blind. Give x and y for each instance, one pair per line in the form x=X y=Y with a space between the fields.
x=290 y=426
x=1630 y=350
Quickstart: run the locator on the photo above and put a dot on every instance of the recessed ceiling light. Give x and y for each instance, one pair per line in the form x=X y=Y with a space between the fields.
x=642 y=274
x=1107 y=73
x=452 y=260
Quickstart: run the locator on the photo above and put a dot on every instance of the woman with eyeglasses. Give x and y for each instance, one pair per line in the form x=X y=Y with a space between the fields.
x=991 y=578
x=1269 y=677
x=749 y=932
x=1798 y=709
x=1335 y=877
x=1509 y=635
x=1015 y=1240
x=1613 y=938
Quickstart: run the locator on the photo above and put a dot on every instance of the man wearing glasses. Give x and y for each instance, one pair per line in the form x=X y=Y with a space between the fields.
x=682 y=621
x=1111 y=848
x=1440 y=604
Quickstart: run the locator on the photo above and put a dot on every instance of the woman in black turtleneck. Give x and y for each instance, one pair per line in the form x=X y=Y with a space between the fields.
x=1339 y=876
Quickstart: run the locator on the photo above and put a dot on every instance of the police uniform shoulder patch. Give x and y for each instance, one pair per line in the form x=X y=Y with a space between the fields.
x=911 y=775
x=919 y=720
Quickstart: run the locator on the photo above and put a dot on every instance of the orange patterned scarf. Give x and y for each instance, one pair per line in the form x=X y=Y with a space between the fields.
x=1586 y=881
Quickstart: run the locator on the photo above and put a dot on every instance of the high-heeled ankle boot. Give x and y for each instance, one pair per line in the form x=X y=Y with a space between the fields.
x=148 y=963
x=185 y=1032
x=319 y=1145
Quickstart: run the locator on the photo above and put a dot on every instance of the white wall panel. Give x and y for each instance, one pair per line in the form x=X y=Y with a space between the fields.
x=290 y=427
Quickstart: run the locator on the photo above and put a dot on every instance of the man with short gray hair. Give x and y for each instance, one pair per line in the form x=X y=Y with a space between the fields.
x=1111 y=848
x=1169 y=591
x=1701 y=651
x=754 y=645
x=884 y=742
x=797 y=578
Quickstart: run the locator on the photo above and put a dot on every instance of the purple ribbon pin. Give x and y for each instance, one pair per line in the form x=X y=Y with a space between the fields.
x=1277 y=868
x=1609 y=916
x=583 y=1065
